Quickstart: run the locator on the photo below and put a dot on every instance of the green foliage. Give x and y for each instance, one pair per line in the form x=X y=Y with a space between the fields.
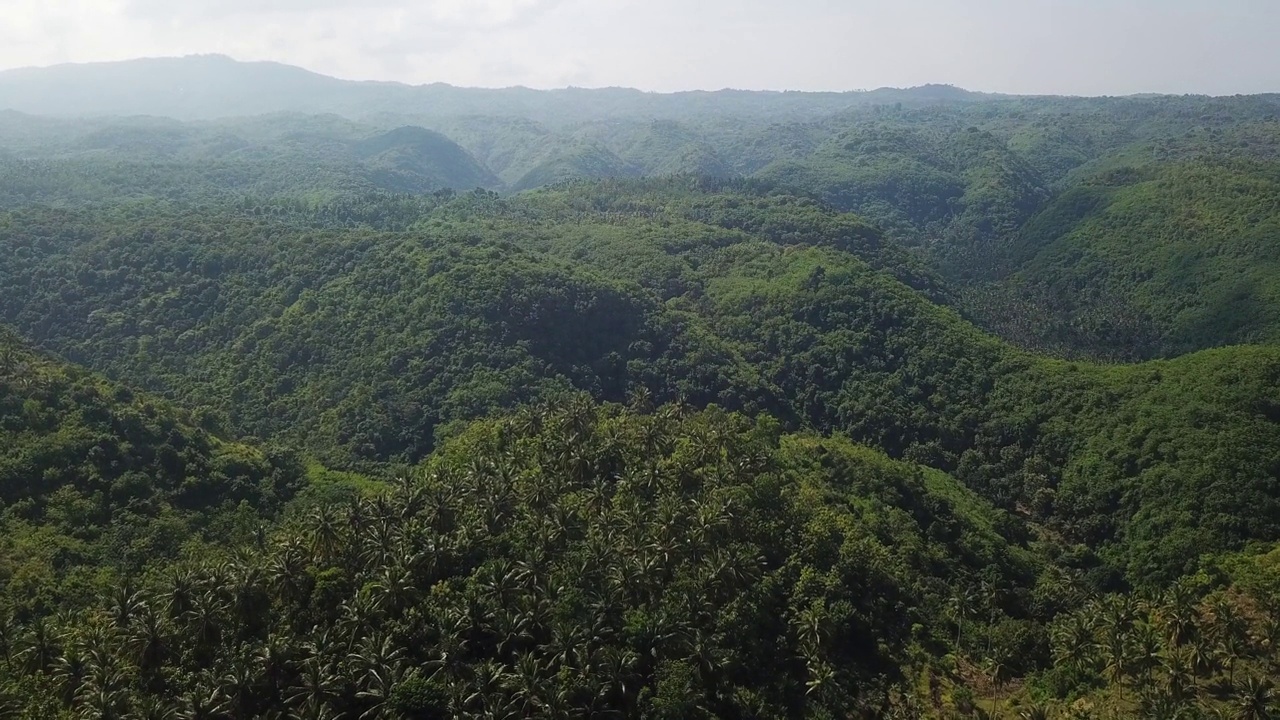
x=960 y=189
x=368 y=331
x=1160 y=260
x=580 y=561
x=98 y=482
x=1197 y=649
x=894 y=514
x=1120 y=228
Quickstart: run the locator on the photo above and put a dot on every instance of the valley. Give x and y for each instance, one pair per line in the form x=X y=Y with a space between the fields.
x=366 y=400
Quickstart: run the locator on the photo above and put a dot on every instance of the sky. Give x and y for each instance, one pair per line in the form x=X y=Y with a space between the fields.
x=1074 y=47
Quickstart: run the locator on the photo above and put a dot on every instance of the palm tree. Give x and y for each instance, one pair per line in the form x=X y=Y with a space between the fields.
x=528 y=682
x=1201 y=658
x=408 y=495
x=316 y=686
x=377 y=652
x=640 y=400
x=1123 y=611
x=69 y=672
x=1254 y=699
x=962 y=605
x=1231 y=647
x=487 y=691
x=1230 y=634
x=148 y=640
x=394 y=590
x=358 y=616
x=276 y=658
x=1115 y=649
x=179 y=591
x=1147 y=653
x=239 y=687
x=1179 y=675
x=40 y=647
x=813 y=629
x=1035 y=712
x=250 y=600
x=376 y=688
x=104 y=695
x=1076 y=644
x=204 y=623
x=998 y=673
x=1270 y=633
x=325 y=534
x=1179 y=615
x=822 y=681
x=512 y=628
x=287 y=572
x=203 y=702
x=153 y=707
x=125 y=604
x=617 y=671
x=379 y=543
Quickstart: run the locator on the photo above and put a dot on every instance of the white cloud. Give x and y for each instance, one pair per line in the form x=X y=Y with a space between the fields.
x=1074 y=46
x=458 y=14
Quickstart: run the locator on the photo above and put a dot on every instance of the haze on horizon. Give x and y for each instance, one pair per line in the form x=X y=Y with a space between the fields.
x=1070 y=47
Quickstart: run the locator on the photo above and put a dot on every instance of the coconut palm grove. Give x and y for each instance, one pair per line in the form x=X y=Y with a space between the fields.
x=380 y=402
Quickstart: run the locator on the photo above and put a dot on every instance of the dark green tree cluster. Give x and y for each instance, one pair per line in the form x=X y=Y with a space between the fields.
x=850 y=502
x=367 y=345
x=96 y=479
x=583 y=561
x=1197 y=649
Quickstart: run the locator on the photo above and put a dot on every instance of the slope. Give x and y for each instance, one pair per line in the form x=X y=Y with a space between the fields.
x=1155 y=260
x=79 y=162
x=95 y=477
x=412 y=159
x=369 y=345
x=573 y=561
x=215 y=86
x=958 y=192
x=576 y=161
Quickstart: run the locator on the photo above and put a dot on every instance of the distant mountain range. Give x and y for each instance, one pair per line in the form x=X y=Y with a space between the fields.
x=216 y=86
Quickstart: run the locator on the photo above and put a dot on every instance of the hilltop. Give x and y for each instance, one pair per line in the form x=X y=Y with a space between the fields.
x=216 y=86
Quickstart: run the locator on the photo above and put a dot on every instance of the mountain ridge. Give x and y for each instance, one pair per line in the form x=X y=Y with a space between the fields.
x=225 y=59
x=218 y=86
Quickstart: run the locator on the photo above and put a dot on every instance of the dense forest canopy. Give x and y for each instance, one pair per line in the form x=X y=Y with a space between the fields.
x=351 y=400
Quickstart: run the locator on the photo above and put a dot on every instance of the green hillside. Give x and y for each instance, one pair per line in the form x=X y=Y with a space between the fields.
x=580 y=561
x=99 y=482
x=74 y=163
x=411 y=159
x=959 y=192
x=1053 y=218
x=580 y=160
x=368 y=345
x=1158 y=260
x=598 y=403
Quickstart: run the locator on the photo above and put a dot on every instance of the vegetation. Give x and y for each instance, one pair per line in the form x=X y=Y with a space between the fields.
x=574 y=563
x=666 y=433
x=1160 y=260
x=96 y=480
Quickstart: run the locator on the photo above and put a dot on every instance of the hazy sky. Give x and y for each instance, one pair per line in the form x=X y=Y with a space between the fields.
x=1023 y=46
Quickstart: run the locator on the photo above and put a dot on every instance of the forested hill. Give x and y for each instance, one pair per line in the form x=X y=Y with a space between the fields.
x=1056 y=220
x=649 y=563
x=97 y=477
x=213 y=86
x=366 y=332
x=607 y=404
